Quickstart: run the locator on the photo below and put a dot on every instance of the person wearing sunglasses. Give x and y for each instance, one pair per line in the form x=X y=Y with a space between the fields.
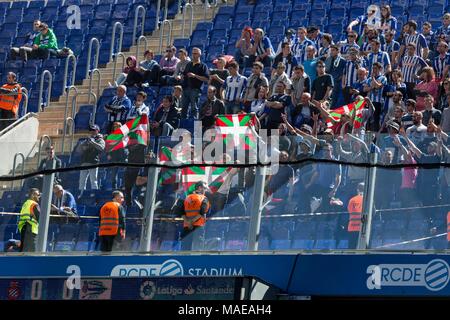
x=168 y=62
x=348 y=44
x=371 y=19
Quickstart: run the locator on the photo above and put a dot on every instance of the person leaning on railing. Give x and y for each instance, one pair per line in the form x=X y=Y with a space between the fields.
x=10 y=97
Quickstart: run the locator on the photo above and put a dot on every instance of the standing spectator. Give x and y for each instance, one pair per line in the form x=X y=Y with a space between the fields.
x=376 y=55
x=244 y=45
x=392 y=47
x=366 y=41
x=417 y=39
x=390 y=90
x=441 y=62
x=117 y=156
x=350 y=76
x=370 y=20
x=279 y=76
x=429 y=37
x=388 y=22
x=315 y=35
x=335 y=66
x=217 y=76
x=349 y=43
x=445 y=121
x=44 y=45
x=301 y=43
x=139 y=108
x=10 y=97
x=289 y=38
x=256 y=80
x=136 y=155
x=322 y=86
x=277 y=104
x=358 y=86
x=407 y=119
x=233 y=89
x=324 y=50
x=195 y=73
x=28 y=224
x=262 y=50
x=177 y=95
x=375 y=87
x=169 y=62
x=46 y=163
x=210 y=108
x=444 y=29
x=112 y=222
x=166 y=118
x=63 y=202
x=310 y=64
x=430 y=112
x=418 y=130
x=287 y=58
x=177 y=76
x=118 y=107
x=390 y=110
x=28 y=45
x=92 y=148
x=428 y=86
x=410 y=65
x=300 y=84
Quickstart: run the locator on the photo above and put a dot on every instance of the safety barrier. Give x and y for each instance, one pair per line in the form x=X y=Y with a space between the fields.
x=169 y=39
x=136 y=16
x=113 y=40
x=141 y=38
x=158 y=9
x=99 y=80
x=97 y=53
x=116 y=56
x=49 y=140
x=72 y=137
x=41 y=88
x=191 y=25
x=66 y=70
x=14 y=166
x=74 y=99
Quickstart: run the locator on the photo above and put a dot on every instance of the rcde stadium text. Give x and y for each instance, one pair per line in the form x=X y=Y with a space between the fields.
x=229 y=309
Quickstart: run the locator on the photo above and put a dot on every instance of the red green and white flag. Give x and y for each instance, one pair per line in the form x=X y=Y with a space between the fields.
x=357 y=107
x=237 y=129
x=213 y=176
x=167 y=176
x=131 y=133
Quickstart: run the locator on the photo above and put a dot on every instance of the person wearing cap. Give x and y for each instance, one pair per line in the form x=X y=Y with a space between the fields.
x=91 y=149
x=287 y=58
x=28 y=224
x=387 y=142
x=196 y=206
x=118 y=107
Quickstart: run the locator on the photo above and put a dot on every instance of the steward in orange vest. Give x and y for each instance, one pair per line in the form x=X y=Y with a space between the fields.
x=355 y=208
x=10 y=97
x=112 y=221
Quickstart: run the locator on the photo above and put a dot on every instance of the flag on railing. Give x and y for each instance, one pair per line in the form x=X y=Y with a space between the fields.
x=357 y=107
x=213 y=176
x=237 y=129
x=167 y=176
x=132 y=132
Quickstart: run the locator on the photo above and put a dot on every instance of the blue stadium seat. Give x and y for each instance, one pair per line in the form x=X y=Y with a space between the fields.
x=204 y=26
x=218 y=36
x=199 y=38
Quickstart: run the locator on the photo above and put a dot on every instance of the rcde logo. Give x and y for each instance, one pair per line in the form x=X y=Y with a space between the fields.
x=434 y=276
x=171 y=268
x=167 y=268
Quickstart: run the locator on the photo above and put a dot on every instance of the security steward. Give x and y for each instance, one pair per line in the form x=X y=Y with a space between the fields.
x=29 y=221
x=355 y=208
x=10 y=97
x=196 y=205
x=112 y=222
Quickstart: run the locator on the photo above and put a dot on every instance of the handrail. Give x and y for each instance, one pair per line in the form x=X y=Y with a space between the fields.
x=113 y=39
x=166 y=8
x=136 y=16
x=66 y=110
x=179 y=7
x=97 y=52
x=162 y=35
x=91 y=75
x=186 y=6
x=25 y=94
x=40 y=148
x=158 y=9
x=120 y=54
x=66 y=69
x=14 y=167
x=41 y=88
x=72 y=122
x=138 y=45
x=18 y=121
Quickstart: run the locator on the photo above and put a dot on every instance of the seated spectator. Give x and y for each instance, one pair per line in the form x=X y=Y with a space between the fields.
x=428 y=86
x=217 y=76
x=233 y=89
x=44 y=45
x=63 y=202
x=118 y=107
x=244 y=45
x=300 y=84
x=279 y=76
x=139 y=108
x=430 y=112
x=91 y=148
x=28 y=45
x=149 y=68
x=261 y=50
x=177 y=77
x=117 y=156
x=169 y=62
x=12 y=245
x=177 y=95
x=210 y=108
x=131 y=68
x=256 y=80
x=165 y=119
x=10 y=97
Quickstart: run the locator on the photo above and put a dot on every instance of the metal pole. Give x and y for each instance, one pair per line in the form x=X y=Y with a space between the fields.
x=162 y=34
x=166 y=8
x=97 y=52
x=206 y=10
x=72 y=126
x=41 y=88
x=40 y=148
x=44 y=217
x=120 y=54
x=179 y=7
x=188 y=5
x=256 y=208
x=149 y=208
x=91 y=75
x=14 y=166
x=25 y=104
x=158 y=8
x=113 y=39
x=369 y=195
x=141 y=38
x=66 y=110
x=66 y=69
x=136 y=16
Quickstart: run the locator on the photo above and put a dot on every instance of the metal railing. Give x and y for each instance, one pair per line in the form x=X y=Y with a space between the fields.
x=158 y=9
x=25 y=104
x=166 y=8
x=46 y=137
x=91 y=75
x=169 y=39
x=113 y=40
x=74 y=99
x=191 y=25
x=141 y=38
x=97 y=53
x=14 y=167
x=120 y=54
x=72 y=135
x=41 y=88
x=66 y=69
x=136 y=16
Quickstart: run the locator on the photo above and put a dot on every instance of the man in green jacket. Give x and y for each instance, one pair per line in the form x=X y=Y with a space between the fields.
x=44 y=45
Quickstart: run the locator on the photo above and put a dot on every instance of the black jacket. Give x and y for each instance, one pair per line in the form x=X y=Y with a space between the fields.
x=92 y=148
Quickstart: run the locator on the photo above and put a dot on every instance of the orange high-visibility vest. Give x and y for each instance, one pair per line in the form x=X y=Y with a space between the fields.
x=109 y=219
x=11 y=102
x=192 y=206
x=355 y=209
x=448 y=226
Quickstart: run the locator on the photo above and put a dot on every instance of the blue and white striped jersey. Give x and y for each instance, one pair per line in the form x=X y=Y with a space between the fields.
x=410 y=65
x=418 y=39
x=234 y=87
x=299 y=49
x=381 y=57
x=439 y=64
